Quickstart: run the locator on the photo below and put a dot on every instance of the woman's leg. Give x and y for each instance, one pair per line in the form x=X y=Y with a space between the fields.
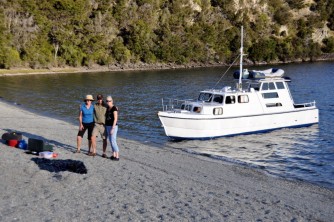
x=79 y=138
x=108 y=136
x=90 y=128
x=114 y=142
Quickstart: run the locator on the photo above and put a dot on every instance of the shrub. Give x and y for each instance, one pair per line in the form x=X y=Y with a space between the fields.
x=9 y=58
x=329 y=45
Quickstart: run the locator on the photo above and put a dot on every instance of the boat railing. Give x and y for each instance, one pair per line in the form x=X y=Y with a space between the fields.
x=175 y=104
x=304 y=105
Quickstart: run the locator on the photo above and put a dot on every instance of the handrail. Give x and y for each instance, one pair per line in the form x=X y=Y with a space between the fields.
x=303 y=105
x=174 y=104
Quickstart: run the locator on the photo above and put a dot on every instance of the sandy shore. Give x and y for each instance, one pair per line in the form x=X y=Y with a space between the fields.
x=147 y=184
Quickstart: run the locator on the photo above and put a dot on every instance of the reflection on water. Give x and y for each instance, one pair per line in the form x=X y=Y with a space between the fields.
x=290 y=153
x=303 y=153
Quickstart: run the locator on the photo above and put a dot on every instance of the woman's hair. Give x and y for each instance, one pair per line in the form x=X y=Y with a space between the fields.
x=109 y=98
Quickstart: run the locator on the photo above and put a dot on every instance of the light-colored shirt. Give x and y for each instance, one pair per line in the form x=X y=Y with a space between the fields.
x=99 y=113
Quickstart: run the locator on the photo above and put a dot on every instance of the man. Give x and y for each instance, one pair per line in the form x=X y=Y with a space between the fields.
x=99 y=127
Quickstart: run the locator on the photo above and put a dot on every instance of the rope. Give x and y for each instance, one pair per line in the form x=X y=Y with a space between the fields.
x=226 y=71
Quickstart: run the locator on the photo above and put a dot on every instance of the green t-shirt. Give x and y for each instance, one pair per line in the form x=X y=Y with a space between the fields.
x=99 y=113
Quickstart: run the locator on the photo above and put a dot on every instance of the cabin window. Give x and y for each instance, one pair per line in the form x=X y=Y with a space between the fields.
x=230 y=100
x=218 y=98
x=280 y=85
x=270 y=95
x=197 y=109
x=268 y=86
x=272 y=86
x=255 y=86
x=206 y=97
x=265 y=86
x=188 y=107
x=243 y=99
x=218 y=111
x=273 y=104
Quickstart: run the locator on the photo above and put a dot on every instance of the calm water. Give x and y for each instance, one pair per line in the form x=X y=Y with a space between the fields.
x=303 y=153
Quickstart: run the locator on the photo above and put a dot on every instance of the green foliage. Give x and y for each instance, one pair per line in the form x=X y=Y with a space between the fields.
x=9 y=57
x=328 y=45
x=46 y=33
x=264 y=51
x=38 y=54
x=121 y=53
x=285 y=51
x=304 y=30
x=296 y=4
x=140 y=41
x=282 y=15
x=314 y=50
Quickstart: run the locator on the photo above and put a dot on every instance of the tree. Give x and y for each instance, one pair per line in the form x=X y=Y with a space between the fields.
x=314 y=50
x=329 y=45
x=120 y=52
x=264 y=50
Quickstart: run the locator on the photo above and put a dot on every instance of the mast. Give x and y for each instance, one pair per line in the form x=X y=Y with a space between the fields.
x=241 y=58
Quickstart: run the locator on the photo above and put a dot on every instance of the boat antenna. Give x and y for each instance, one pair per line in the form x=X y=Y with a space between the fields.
x=239 y=84
x=241 y=58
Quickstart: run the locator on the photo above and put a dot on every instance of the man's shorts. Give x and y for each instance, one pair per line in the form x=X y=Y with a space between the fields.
x=99 y=129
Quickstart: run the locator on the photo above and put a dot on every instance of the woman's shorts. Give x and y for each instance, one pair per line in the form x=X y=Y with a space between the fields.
x=89 y=127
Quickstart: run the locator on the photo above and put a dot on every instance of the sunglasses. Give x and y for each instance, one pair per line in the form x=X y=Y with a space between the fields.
x=108 y=101
x=88 y=100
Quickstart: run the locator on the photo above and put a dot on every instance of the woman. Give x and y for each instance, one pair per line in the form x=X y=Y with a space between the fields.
x=112 y=127
x=86 y=121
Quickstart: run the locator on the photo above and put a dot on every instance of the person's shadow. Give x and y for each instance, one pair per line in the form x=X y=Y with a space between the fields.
x=56 y=166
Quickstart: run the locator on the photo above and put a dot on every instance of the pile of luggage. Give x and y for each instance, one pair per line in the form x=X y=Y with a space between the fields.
x=34 y=146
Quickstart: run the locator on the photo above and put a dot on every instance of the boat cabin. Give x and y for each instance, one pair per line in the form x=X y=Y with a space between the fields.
x=264 y=93
x=261 y=96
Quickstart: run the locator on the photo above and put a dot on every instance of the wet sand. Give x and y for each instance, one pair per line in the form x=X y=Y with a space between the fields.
x=147 y=184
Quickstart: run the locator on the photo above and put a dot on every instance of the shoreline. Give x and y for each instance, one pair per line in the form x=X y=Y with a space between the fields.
x=136 y=67
x=111 y=68
x=148 y=183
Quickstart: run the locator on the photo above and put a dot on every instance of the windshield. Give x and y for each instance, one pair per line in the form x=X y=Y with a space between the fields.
x=206 y=97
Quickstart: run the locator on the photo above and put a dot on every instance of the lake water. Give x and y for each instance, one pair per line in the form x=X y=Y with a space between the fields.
x=303 y=153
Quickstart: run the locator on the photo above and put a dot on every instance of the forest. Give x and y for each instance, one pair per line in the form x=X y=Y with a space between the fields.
x=83 y=33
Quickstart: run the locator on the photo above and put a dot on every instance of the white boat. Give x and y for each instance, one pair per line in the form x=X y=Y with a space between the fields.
x=268 y=73
x=263 y=104
x=259 y=74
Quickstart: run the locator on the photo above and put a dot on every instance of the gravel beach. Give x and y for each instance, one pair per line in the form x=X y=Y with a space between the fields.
x=147 y=184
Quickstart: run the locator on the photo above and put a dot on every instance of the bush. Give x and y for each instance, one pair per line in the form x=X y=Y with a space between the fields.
x=314 y=50
x=329 y=45
x=296 y=4
x=9 y=58
x=120 y=52
x=282 y=16
x=263 y=51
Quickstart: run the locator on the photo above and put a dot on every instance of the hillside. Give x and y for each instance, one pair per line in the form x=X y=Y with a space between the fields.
x=76 y=33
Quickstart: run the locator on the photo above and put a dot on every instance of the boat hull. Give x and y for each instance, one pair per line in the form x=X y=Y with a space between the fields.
x=180 y=126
